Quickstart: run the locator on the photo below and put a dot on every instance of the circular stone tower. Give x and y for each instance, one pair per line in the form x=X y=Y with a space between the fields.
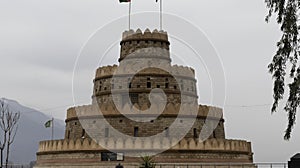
x=144 y=106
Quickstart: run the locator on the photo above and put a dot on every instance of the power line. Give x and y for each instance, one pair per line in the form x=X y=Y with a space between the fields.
x=70 y=105
x=247 y=106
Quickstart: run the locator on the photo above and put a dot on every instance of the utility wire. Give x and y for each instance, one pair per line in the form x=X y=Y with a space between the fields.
x=70 y=105
x=246 y=106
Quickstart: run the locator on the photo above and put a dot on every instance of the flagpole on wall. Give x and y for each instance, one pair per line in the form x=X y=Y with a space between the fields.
x=52 y=125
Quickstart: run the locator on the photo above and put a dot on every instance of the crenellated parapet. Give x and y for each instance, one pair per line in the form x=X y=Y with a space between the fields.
x=156 y=44
x=183 y=71
x=174 y=70
x=106 y=71
x=95 y=118
x=219 y=145
x=138 y=35
x=169 y=109
x=174 y=80
x=210 y=111
x=143 y=96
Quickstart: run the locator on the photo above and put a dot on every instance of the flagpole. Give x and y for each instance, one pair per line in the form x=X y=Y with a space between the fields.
x=161 y=16
x=129 y=16
x=52 y=124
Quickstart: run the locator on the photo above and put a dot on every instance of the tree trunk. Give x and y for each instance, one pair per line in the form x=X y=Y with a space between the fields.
x=7 y=150
x=1 y=164
x=7 y=153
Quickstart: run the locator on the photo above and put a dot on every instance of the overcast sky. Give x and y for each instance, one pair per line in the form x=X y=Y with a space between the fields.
x=41 y=39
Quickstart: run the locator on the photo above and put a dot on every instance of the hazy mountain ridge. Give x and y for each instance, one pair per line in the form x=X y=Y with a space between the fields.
x=31 y=130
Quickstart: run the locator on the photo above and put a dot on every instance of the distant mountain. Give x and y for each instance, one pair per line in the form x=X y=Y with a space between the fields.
x=31 y=130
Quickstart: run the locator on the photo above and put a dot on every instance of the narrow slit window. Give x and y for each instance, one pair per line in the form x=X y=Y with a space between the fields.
x=214 y=135
x=68 y=135
x=136 y=131
x=148 y=84
x=195 y=133
x=167 y=85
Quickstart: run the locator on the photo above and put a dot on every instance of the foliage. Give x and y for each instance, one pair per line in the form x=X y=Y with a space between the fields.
x=286 y=56
x=147 y=162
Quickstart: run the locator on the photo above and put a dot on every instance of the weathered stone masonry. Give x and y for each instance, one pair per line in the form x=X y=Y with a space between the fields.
x=78 y=149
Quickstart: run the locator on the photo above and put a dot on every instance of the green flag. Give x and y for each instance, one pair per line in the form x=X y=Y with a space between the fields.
x=48 y=124
x=124 y=1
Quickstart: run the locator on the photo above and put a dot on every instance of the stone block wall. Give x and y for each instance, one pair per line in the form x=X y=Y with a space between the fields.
x=93 y=120
x=87 y=152
x=135 y=40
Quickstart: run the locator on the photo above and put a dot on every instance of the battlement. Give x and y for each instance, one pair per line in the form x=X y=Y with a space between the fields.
x=210 y=111
x=183 y=71
x=219 y=145
x=145 y=70
x=138 y=35
x=178 y=70
x=156 y=44
x=106 y=71
x=170 y=109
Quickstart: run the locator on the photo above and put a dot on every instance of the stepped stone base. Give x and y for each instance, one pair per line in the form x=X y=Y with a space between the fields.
x=217 y=152
x=122 y=96
x=164 y=160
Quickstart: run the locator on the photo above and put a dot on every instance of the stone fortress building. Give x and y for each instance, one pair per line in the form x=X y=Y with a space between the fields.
x=145 y=105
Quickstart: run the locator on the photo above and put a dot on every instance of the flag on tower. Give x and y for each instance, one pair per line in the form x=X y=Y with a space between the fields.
x=127 y=1
x=124 y=1
x=48 y=124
